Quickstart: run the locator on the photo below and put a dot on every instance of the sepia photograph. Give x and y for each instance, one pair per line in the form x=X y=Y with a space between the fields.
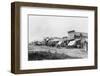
x=53 y=37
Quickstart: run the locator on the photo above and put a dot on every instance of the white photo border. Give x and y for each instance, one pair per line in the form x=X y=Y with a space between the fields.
x=25 y=64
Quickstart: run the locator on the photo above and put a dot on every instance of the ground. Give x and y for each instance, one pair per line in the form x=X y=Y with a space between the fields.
x=46 y=52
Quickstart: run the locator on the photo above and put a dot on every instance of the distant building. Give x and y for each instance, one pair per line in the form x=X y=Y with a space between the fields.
x=76 y=35
x=71 y=34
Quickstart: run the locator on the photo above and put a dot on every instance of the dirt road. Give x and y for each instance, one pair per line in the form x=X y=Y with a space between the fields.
x=73 y=52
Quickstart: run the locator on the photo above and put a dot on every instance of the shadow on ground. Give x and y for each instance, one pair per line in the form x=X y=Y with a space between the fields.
x=42 y=55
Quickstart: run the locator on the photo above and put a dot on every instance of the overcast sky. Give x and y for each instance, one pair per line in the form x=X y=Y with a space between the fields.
x=54 y=26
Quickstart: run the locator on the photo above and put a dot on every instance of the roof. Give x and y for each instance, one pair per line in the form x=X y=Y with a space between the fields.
x=81 y=33
x=71 y=31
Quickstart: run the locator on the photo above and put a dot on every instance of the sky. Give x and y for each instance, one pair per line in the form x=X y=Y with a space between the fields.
x=41 y=26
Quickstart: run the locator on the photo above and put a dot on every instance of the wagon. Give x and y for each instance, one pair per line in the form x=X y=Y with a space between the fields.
x=78 y=43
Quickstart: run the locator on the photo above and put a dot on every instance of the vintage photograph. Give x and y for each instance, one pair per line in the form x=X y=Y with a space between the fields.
x=53 y=37
x=57 y=37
